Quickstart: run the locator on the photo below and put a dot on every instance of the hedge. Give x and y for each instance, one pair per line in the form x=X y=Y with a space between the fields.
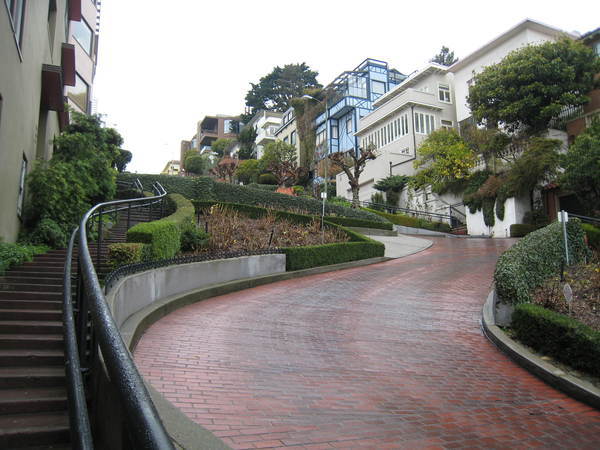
x=163 y=236
x=266 y=187
x=206 y=189
x=123 y=253
x=593 y=235
x=414 y=222
x=352 y=222
x=15 y=254
x=359 y=247
x=559 y=336
x=535 y=258
x=522 y=229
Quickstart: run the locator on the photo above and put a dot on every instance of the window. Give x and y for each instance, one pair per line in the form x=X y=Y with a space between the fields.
x=285 y=140
x=597 y=48
x=377 y=87
x=21 y=198
x=424 y=123
x=83 y=34
x=16 y=10
x=444 y=93
x=349 y=125
x=79 y=93
x=447 y=125
x=293 y=138
x=51 y=22
x=334 y=131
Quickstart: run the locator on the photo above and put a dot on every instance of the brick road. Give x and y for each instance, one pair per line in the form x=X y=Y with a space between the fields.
x=383 y=356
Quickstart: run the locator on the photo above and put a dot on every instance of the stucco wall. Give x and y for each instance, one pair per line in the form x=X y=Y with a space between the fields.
x=514 y=211
x=137 y=291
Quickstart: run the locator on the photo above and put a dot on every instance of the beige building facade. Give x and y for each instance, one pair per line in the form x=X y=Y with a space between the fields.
x=288 y=131
x=36 y=63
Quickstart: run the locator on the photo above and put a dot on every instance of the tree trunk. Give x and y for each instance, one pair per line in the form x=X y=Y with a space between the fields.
x=355 y=200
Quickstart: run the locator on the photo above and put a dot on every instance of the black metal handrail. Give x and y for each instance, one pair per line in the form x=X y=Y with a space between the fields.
x=144 y=425
x=591 y=220
x=412 y=212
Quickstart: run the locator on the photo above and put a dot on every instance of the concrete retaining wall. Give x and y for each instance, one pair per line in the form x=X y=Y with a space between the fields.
x=137 y=291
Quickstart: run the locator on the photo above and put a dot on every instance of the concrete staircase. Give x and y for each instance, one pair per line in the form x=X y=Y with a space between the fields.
x=33 y=398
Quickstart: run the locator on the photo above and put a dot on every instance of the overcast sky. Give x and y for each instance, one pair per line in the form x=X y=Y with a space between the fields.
x=163 y=66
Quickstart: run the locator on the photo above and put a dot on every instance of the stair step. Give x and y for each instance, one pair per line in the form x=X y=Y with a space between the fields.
x=26 y=357
x=31 y=400
x=31 y=304
x=30 y=314
x=37 y=269
x=31 y=341
x=30 y=326
x=21 y=430
x=15 y=377
x=30 y=295
x=24 y=280
x=30 y=287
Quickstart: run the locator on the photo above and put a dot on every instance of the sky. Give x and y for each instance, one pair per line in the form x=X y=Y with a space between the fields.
x=162 y=69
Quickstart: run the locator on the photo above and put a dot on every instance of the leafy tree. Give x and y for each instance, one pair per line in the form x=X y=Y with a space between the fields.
x=491 y=144
x=306 y=111
x=445 y=57
x=532 y=85
x=195 y=164
x=275 y=90
x=221 y=146
x=279 y=158
x=79 y=174
x=352 y=164
x=443 y=158
x=122 y=160
x=582 y=168
x=246 y=138
x=392 y=183
x=248 y=171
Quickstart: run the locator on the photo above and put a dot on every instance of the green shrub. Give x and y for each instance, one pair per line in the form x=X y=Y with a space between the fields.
x=266 y=187
x=413 y=222
x=521 y=229
x=267 y=178
x=48 y=232
x=164 y=236
x=593 y=235
x=352 y=222
x=125 y=253
x=189 y=187
x=536 y=257
x=15 y=254
x=298 y=190
x=559 y=336
x=193 y=239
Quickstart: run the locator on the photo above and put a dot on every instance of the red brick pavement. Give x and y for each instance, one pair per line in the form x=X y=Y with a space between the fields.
x=383 y=356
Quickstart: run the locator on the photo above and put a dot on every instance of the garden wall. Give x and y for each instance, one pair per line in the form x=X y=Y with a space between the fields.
x=514 y=211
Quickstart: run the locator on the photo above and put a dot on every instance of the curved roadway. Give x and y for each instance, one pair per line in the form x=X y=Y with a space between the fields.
x=383 y=356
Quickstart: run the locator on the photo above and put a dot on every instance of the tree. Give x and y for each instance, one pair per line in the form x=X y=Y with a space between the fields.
x=248 y=171
x=195 y=164
x=275 y=90
x=533 y=84
x=221 y=146
x=392 y=186
x=279 y=158
x=246 y=139
x=444 y=157
x=445 y=57
x=352 y=164
x=225 y=169
x=122 y=160
x=582 y=168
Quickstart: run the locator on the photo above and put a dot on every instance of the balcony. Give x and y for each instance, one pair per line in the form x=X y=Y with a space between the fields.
x=406 y=98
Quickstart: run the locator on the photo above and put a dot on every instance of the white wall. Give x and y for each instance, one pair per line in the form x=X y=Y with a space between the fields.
x=514 y=211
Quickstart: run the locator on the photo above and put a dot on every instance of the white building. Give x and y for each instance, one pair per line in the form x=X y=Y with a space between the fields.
x=403 y=118
x=288 y=131
x=266 y=124
x=528 y=32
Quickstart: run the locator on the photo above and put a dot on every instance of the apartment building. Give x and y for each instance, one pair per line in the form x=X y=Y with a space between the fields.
x=171 y=168
x=402 y=119
x=38 y=63
x=216 y=127
x=265 y=123
x=351 y=97
x=288 y=131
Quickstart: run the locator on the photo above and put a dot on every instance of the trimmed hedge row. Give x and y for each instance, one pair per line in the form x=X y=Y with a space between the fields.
x=206 y=189
x=414 y=222
x=359 y=247
x=123 y=253
x=266 y=187
x=559 y=336
x=593 y=235
x=163 y=236
x=352 y=222
x=522 y=229
x=535 y=258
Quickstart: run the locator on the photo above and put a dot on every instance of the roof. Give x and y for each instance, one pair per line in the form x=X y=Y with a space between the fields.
x=525 y=24
x=591 y=35
x=414 y=78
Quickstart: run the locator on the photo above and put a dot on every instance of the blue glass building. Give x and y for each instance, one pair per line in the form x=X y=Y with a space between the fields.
x=351 y=98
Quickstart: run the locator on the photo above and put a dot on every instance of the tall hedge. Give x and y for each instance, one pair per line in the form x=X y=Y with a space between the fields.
x=206 y=189
x=163 y=237
x=414 y=222
x=535 y=258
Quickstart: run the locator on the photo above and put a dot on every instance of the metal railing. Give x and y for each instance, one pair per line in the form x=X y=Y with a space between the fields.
x=84 y=336
x=411 y=212
x=590 y=220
